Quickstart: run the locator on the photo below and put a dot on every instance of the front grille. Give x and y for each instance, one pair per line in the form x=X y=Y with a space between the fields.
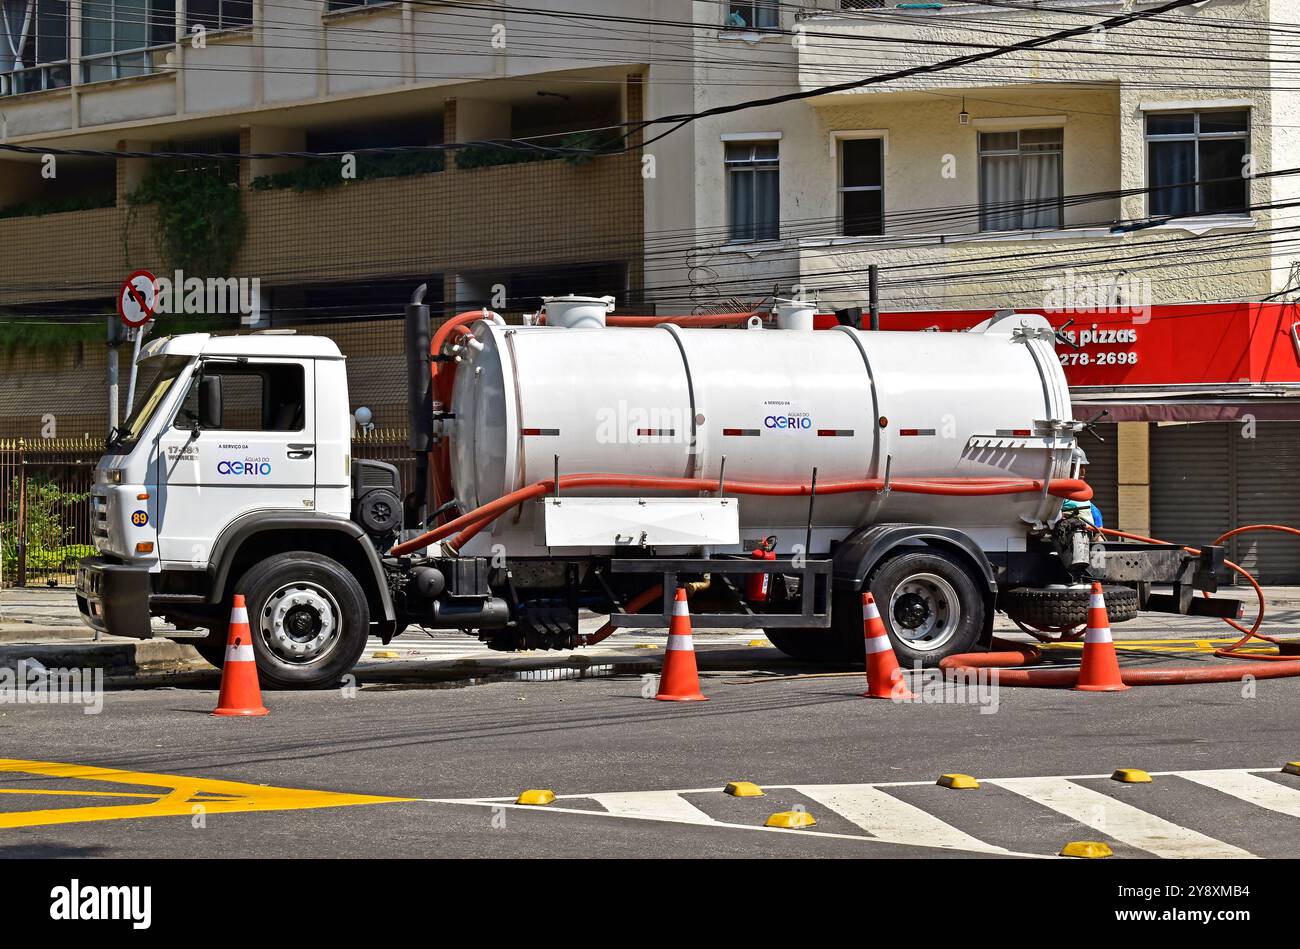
x=99 y=517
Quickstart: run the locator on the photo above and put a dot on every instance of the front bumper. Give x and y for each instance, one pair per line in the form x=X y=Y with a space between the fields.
x=113 y=598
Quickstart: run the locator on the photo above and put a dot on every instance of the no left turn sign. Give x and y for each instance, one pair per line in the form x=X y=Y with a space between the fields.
x=138 y=297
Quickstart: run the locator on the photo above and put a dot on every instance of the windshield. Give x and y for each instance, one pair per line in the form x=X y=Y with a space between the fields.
x=168 y=371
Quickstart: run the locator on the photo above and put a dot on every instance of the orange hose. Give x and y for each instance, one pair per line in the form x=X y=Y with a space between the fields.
x=691 y=320
x=474 y=521
x=634 y=605
x=1063 y=678
x=1266 y=667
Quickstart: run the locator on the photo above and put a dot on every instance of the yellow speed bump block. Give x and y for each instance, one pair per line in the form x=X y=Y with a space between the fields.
x=384 y=654
x=1291 y=767
x=1131 y=776
x=536 y=796
x=1090 y=849
x=791 y=820
x=743 y=789
x=958 y=782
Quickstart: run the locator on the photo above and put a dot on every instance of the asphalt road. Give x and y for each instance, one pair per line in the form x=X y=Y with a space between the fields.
x=864 y=769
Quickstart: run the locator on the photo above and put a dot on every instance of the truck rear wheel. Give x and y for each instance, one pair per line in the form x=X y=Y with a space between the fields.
x=930 y=603
x=308 y=617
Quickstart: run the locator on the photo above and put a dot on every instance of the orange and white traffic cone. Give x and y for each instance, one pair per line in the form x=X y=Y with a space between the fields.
x=884 y=676
x=1099 y=671
x=240 y=694
x=680 y=679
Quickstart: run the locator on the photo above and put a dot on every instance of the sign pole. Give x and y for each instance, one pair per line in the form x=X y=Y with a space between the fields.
x=135 y=358
x=113 y=419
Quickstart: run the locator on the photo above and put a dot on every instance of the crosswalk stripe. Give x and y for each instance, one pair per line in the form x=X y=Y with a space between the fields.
x=1250 y=788
x=886 y=817
x=658 y=805
x=1118 y=820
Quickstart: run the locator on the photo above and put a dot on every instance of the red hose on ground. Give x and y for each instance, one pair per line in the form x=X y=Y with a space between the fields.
x=1266 y=667
x=471 y=523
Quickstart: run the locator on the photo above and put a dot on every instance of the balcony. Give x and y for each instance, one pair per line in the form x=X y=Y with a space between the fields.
x=521 y=215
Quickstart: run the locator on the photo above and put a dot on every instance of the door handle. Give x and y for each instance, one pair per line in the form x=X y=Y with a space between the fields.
x=300 y=451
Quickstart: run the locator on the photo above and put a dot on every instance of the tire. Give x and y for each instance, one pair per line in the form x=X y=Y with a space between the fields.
x=812 y=645
x=931 y=604
x=1067 y=607
x=308 y=617
x=889 y=583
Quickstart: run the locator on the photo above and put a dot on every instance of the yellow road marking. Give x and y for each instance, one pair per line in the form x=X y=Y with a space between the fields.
x=178 y=795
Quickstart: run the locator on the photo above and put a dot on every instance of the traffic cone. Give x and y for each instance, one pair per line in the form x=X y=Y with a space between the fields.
x=240 y=694
x=1099 y=671
x=680 y=679
x=884 y=676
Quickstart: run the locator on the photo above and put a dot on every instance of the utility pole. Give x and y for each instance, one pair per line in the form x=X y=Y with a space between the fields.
x=115 y=339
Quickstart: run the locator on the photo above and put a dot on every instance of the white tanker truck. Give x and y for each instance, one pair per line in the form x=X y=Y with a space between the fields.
x=587 y=461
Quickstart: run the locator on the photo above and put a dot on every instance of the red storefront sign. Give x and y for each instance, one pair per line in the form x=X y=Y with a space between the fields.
x=1173 y=345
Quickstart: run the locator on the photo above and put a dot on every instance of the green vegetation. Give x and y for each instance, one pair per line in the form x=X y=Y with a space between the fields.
x=200 y=222
x=47 y=533
x=323 y=174
x=487 y=156
x=40 y=206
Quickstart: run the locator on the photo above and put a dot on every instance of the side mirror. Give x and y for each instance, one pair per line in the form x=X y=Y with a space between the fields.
x=210 y=402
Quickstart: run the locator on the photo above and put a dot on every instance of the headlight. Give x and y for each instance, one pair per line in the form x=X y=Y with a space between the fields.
x=113 y=475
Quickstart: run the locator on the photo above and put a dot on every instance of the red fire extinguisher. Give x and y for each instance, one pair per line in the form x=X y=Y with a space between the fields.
x=758 y=585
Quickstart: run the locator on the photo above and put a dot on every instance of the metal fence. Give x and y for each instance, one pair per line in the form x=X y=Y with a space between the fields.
x=45 y=513
x=45 y=508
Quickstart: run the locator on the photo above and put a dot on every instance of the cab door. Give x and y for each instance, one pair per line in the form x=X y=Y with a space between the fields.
x=255 y=452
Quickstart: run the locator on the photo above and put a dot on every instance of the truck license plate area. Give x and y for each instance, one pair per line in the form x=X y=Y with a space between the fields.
x=636 y=523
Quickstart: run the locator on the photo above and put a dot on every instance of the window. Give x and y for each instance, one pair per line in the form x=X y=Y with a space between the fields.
x=118 y=34
x=266 y=398
x=862 y=186
x=1195 y=162
x=758 y=15
x=753 y=190
x=1021 y=179
x=33 y=45
x=219 y=14
x=349 y=4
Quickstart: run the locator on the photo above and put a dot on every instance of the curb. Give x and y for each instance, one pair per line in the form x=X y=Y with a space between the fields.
x=143 y=658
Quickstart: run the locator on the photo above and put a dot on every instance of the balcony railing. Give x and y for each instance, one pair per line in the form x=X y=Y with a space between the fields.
x=35 y=79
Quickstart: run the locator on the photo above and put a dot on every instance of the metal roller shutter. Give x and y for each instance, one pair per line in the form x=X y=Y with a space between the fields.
x=1190 y=475
x=1267 y=469
x=1103 y=471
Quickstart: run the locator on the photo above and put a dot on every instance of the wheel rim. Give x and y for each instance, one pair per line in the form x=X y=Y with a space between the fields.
x=926 y=611
x=300 y=622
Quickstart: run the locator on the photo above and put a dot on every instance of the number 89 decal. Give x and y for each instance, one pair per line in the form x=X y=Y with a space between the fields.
x=140 y=518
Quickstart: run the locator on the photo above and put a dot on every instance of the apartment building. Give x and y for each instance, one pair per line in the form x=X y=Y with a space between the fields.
x=1125 y=178
x=328 y=241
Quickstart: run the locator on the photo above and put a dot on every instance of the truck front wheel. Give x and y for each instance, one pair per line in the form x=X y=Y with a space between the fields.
x=308 y=617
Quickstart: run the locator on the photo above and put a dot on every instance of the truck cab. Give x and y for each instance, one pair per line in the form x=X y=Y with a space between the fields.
x=233 y=467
